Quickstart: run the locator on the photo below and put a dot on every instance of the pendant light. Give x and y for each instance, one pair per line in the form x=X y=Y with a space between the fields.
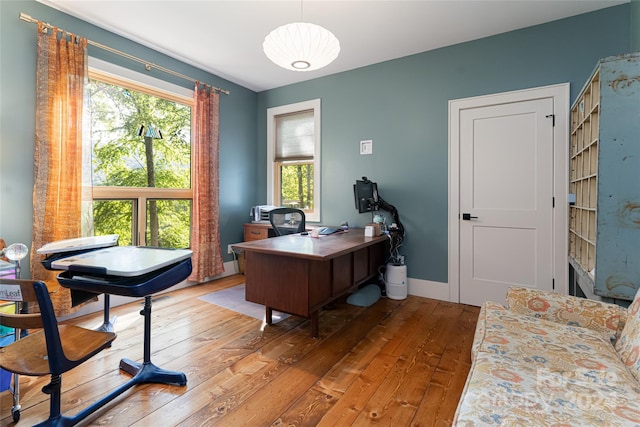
x=301 y=46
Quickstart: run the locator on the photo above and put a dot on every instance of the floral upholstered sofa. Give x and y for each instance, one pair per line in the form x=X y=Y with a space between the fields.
x=553 y=360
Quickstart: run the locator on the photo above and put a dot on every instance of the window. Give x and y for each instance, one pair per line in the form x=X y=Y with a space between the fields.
x=141 y=160
x=293 y=152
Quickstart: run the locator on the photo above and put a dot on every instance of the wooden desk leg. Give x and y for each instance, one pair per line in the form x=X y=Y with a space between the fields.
x=269 y=316
x=315 y=324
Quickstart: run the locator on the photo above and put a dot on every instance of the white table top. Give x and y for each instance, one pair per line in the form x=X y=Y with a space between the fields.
x=79 y=243
x=126 y=261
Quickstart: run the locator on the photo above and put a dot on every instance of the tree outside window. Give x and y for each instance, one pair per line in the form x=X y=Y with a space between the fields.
x=141 y=165
x=296 y=189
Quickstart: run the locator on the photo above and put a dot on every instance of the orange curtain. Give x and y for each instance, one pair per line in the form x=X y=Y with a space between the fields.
x=205 y=230
x=57 y=190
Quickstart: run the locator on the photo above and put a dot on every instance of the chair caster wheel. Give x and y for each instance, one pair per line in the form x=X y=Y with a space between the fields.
x=16 y=415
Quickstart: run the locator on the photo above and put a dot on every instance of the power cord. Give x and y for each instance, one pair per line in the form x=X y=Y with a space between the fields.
x=395 y=232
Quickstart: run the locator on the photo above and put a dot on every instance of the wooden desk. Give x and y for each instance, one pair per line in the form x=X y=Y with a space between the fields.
x=300 y=274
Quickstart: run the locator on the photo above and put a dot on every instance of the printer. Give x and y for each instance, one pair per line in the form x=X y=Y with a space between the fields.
x=260 y=213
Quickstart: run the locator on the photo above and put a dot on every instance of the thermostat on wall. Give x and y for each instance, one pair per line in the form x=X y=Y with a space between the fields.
x=366 y=147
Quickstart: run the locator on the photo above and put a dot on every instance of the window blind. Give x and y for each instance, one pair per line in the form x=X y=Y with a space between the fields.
x=295 y=136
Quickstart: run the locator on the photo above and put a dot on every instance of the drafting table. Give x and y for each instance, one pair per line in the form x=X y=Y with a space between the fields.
x=133 y=272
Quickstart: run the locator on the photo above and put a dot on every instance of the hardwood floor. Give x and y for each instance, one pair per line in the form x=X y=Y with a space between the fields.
x=395 y=363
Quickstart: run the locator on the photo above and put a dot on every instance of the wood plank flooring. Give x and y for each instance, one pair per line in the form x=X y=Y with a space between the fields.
x=396 y=363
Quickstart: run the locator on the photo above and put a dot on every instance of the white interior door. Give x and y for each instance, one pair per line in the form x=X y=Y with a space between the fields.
x=506 y=199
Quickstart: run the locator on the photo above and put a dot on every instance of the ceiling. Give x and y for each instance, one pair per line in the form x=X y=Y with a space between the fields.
x=225 y=37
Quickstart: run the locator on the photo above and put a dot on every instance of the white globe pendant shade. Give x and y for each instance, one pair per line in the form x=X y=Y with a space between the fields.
x=301 y=46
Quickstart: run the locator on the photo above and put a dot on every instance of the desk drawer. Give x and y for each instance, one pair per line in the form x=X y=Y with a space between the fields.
x=255 y=233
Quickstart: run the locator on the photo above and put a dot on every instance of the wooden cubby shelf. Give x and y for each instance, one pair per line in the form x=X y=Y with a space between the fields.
x=605 y=135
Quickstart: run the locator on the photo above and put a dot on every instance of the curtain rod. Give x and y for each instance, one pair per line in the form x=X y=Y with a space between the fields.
x=147 y=65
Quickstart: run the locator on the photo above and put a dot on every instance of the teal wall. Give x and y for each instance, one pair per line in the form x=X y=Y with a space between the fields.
x=17 y=111
x=402 y=106
x=635 y=25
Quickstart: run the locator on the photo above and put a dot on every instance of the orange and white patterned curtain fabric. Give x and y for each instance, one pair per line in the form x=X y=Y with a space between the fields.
x=57 y=190
x=205 y=230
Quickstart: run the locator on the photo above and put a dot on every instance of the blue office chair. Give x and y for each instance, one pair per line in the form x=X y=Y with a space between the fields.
x=52 y=351
x=287 y=221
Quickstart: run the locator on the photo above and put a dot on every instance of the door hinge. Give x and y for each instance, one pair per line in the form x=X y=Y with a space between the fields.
x=553 y=119
x=553 y=284
x=553 y=202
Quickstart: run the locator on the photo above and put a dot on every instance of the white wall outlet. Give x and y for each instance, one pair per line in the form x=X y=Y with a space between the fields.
x=229 y=249
x=366 y=146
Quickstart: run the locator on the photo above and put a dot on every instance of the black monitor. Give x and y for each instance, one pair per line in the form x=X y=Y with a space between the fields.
x=366 y=195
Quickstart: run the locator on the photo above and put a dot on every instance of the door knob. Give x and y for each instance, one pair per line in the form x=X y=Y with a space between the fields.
x=468 y=217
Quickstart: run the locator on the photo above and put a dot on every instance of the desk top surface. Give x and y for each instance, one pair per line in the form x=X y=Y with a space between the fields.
x=124 y=261
x=305 y=246
x=79 y=243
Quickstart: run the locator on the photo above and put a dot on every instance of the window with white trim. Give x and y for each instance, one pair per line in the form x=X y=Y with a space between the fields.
x=141 y=157
x=293 y=157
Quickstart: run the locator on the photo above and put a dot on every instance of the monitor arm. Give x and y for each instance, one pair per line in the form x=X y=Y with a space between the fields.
x=382 y=204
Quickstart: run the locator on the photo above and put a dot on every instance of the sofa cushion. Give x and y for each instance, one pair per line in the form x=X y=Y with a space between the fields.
x=530 y=371
x=628 y=346
x=608 y=319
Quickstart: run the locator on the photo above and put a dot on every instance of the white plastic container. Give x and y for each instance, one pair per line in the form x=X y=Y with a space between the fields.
x=396 y=281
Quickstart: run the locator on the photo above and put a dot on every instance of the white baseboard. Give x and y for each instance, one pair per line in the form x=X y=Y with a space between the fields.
x=428 y=289
x=230 y=268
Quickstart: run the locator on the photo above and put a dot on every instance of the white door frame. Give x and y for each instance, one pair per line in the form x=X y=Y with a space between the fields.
x=560 y=95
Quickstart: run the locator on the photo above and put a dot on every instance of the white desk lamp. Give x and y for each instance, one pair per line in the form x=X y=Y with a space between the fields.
x=16 y=252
